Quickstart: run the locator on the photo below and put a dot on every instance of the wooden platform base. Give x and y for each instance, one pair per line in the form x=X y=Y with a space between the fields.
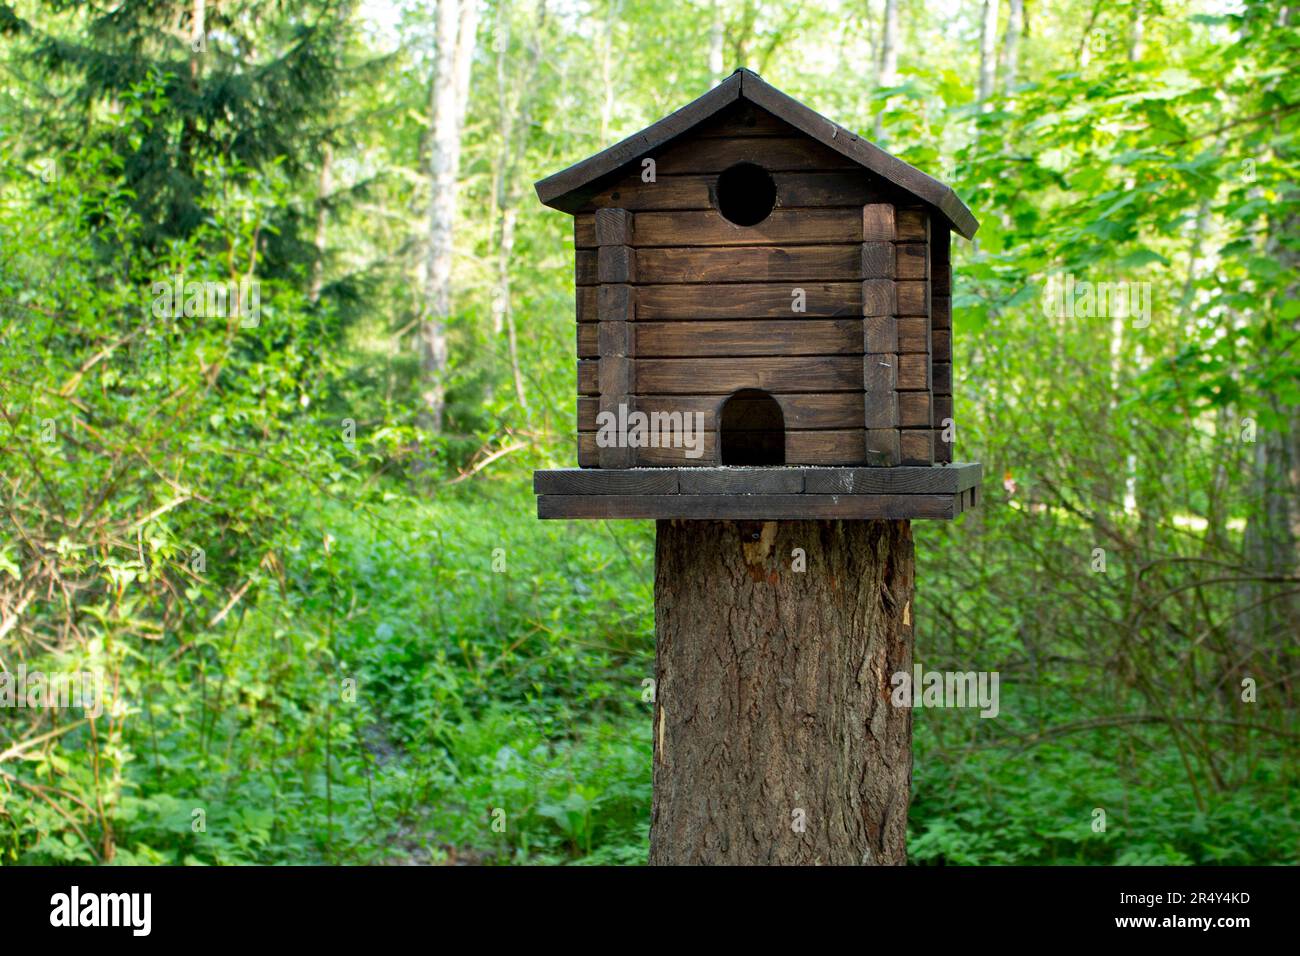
x=767 y=494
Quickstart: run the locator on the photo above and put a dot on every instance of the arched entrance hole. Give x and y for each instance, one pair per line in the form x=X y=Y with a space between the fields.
x=751 y=429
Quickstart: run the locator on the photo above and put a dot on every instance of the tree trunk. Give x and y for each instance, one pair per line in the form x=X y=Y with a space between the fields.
x=717 y=32
x=612 y=9
x=775 y=740
x=514 y=111
x=988 y=56
x=1136 y=34
x=324 y=185
x=456 y=29
x=1011 y=45
x=887 y=67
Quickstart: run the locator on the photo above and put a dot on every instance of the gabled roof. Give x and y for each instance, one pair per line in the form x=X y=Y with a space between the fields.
x=565 y=190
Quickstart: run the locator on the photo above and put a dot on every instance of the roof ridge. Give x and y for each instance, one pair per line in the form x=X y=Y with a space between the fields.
x=571 y=187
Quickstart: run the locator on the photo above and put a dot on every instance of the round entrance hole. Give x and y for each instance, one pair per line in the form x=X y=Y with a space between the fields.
x=746 y=194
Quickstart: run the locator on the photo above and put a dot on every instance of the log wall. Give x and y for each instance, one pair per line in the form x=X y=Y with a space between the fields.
x=825 y=305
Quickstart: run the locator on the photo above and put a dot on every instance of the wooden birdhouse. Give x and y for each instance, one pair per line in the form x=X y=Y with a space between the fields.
x=764 y=321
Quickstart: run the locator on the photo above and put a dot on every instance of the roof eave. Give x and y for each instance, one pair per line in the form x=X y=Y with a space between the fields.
x=553 y=189
x=862 y=151
x=569 y=189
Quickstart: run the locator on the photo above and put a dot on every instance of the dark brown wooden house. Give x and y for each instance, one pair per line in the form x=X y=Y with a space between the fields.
x=782 y=281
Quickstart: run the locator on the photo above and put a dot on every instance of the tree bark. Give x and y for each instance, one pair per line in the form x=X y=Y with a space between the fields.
x=775 y=740
x=457 y=26
x=324 y=185
x=1011 y=45
x=1136 y=34
x=717 y=32
x=514 y=111
x=988 y=57
x=887 y=66
x=612 y=10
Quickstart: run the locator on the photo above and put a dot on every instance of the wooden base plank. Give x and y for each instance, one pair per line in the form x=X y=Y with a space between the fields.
x=739 y=481
x=903 y=480
x=759 y=493
x=732 y=507
x=601 y=481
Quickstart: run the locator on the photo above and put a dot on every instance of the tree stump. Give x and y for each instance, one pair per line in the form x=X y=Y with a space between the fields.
x=775 y=741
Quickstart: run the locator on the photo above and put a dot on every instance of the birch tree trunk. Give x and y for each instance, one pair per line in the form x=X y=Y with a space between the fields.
x=716 y=33
x=1011 y=45
x=514 y=112
x=988 y=57
x=457 y=24
x=198 y=36
x=887 y=68
x=607 y=70
x=775 y=739
x=1137 y=34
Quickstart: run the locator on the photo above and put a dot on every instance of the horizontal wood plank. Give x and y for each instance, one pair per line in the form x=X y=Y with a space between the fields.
x=912 y=297
x=838 y=410
x=693 y=376
x=752 y=301
x=586 y=481
x=943 y=378
x=739 y=481
x=849 y=187
x=941 y=344
x=743 y=119
x=911 y=260
x=772 y=507
x=913 y=372
x=882 y=447
x=776 y=154
x=914 y=410
x=745 y=337
x=941 y=316
x=902 y=480
x=949 y=479
x=942 y=410
x=585 y=263
x=913 y=334
x=783 y=227
x=796 y=264
x=916 y=446
x=828 y=447
x=913 y=224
